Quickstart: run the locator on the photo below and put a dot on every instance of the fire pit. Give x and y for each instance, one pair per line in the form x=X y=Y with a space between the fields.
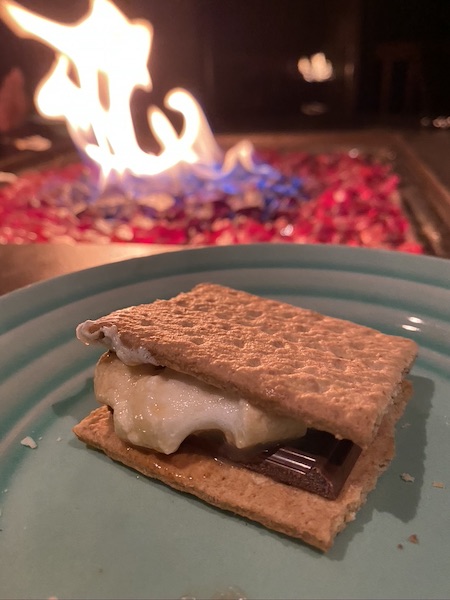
x=340 y=197
x=193 y=190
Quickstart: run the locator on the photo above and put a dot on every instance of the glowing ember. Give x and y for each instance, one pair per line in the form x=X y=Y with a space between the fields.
x=109 y=54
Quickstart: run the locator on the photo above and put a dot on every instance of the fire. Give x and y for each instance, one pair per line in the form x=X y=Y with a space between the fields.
x=109 y=54
x=317 y=68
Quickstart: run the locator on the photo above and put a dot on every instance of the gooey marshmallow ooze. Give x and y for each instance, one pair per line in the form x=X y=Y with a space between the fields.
x=158 y=408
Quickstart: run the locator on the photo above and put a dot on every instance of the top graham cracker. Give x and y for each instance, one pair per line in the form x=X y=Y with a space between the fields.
x=331 y=374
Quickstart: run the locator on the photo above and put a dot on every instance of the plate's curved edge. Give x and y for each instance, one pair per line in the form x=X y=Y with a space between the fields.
x=52 y=292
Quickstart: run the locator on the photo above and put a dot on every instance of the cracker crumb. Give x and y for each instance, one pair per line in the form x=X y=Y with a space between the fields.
x=413 y=539
x=400 y=546
x=58 y=439
x=407 y=477
x=29 y=442
x=438 y=484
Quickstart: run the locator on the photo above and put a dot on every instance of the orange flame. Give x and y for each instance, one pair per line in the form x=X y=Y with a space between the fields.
x=110 y=55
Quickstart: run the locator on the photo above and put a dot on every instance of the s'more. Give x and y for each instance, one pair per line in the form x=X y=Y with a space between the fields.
x=270 y=411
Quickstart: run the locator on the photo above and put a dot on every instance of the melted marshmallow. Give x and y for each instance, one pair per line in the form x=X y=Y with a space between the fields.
x=158 y=408
x=111 y=339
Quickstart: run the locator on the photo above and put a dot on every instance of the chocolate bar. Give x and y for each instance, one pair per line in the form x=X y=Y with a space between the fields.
x=318 y=462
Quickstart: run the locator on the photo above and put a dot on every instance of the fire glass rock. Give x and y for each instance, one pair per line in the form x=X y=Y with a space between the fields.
x=336 y=197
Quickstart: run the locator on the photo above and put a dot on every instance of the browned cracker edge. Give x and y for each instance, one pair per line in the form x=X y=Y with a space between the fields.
x=280 y=507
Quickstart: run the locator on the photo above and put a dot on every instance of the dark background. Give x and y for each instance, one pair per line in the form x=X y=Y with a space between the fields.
x=239 y=58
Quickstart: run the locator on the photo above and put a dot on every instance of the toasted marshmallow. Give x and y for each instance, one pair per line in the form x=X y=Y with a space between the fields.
x=158 y=408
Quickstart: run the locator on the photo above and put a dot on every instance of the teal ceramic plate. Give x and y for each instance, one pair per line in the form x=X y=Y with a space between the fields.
x=76 y=525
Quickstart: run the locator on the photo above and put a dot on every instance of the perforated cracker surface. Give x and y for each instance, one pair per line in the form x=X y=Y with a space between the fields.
x=332 y=374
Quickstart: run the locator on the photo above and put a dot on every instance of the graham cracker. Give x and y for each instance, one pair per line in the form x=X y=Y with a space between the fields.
x=331 y=374
x=277 y=506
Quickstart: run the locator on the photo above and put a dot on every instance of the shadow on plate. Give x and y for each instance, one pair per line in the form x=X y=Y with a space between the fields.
x=79 y=404
x=392 y=494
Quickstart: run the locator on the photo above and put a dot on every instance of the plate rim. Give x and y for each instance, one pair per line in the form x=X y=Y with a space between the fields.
x=431 y=270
